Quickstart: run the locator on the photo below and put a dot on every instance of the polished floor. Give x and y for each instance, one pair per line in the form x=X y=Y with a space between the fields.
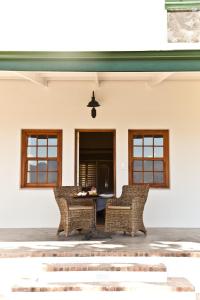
x=45 y=242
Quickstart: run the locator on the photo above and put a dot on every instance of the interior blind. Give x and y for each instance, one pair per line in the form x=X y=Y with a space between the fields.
x=182 y=5
x=87 y=174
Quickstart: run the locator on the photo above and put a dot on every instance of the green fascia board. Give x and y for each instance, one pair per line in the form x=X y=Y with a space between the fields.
x=182 y=5
x=124 y=61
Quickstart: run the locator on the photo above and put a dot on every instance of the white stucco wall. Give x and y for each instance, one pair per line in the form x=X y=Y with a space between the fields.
x=124 y=105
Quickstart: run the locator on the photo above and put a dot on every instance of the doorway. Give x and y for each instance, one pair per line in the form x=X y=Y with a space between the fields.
x=95 y=164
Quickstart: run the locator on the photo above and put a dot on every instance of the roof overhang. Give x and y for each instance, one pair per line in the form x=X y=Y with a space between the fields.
x=125 y=61
x=182 y=5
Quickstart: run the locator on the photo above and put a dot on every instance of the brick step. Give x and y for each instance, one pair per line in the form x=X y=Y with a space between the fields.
x=101 y=276
x=91 y=295
x=172 y=285
x=103 y=272
x=135 y=267
x=39 y=249
x=90 y=276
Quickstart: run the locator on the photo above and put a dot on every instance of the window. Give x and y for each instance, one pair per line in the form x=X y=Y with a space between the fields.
x=149 y=157
x=41 y=164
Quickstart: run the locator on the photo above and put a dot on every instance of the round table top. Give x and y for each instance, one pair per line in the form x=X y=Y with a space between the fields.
x=86 y=196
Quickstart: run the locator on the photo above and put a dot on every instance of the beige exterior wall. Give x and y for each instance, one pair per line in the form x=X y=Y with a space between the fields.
x=124 y=105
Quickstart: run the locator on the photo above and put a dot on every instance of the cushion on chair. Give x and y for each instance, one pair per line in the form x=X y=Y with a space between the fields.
x=118 y=207
x=80 y=207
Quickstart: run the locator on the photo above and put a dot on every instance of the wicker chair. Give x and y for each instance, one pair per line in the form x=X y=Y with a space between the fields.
x=75 y=214
x=126 y=213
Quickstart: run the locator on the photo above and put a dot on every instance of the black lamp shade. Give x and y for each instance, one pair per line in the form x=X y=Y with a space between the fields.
x=93 y=102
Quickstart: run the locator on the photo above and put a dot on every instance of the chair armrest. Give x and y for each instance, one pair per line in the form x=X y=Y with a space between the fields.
x=62 y=203
x=113 y=201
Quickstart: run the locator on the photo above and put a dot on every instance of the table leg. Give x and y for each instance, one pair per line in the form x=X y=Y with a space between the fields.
x=94 y=233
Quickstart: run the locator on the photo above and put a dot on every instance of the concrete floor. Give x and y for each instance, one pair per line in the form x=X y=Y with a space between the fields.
x=44 y=242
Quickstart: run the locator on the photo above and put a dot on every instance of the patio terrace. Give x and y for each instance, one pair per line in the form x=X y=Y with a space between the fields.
x=44 y=242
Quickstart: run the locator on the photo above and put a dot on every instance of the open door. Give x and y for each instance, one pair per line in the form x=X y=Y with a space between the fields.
x=95 y=163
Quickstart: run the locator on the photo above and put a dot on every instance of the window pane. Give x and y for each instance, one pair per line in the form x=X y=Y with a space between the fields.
x=148 y=177
x=42 y=140
x=158 y=177
x=148 y=140
x=52 y=165
x=32 y=165
x=137 y=177
x=42 y=165
x=31 y=177
x=148 y=165
x=137 y=151
x=52 y=151
x=42 y=177
x=158 y=151
x=31 y=151
x=32 y=140
x=52 y=141
x=42 y=152
x=148 y=151
x=137 y=141
x=52 y=177
x=158 y=141
x=137 y=165
x=158 y=165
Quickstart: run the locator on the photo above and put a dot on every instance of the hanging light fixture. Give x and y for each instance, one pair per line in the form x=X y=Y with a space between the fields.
x=93 y=103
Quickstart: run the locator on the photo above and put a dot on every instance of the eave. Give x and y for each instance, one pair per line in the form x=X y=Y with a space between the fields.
x=124 y=61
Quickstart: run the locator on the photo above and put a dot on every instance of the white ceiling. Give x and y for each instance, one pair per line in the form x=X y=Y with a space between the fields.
x=152 y=78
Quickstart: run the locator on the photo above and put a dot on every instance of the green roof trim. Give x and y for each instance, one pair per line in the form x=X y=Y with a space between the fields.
x=182 y=5
x=124 y=61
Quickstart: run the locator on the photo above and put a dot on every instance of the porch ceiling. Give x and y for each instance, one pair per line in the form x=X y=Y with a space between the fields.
x=152 y=78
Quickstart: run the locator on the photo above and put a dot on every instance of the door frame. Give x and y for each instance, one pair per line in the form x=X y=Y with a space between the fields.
x=77 y=131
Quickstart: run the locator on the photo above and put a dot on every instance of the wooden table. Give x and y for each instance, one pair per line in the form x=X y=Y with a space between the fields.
x=93 y=233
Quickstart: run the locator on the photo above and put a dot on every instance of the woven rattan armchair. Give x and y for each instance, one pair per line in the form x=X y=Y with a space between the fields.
x=75 y=214
x=126 y=213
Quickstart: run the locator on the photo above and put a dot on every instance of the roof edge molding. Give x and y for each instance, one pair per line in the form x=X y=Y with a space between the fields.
x=124 y=61
x=182 y=5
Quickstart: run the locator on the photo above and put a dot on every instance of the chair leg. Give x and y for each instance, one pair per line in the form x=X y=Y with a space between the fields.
x=58 y=232
x=60 y=229
x=66 y=233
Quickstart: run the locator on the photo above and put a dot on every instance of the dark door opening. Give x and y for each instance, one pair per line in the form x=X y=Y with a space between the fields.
x=95 y=165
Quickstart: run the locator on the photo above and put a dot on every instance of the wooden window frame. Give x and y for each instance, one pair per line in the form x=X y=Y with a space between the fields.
x=146 y=132
x=25 y=133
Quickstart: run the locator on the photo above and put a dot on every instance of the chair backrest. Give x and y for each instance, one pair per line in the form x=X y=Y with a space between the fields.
x=65 y=192
x=130 y=192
